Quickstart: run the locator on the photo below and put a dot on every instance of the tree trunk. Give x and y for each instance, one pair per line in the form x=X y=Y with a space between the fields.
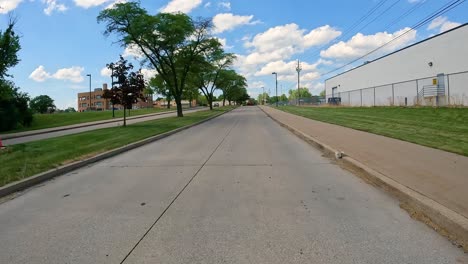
x=229 y=102
x=224 y=101
x=168 y=103
x=125 y=117
x=179 y=108
x=210 y=102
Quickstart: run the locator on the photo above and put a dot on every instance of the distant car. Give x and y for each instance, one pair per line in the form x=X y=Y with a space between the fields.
x=216 y=105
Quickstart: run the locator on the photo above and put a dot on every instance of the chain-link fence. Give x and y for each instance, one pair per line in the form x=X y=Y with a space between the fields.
x=442 y=90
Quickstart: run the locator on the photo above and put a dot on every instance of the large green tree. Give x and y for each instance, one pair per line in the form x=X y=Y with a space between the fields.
x=303 y=93
x=170 y=43
x=13 y=103
x=42 y=104
x=206 y=72
x=231 y=84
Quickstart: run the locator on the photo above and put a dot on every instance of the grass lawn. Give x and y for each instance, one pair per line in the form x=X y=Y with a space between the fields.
x=24 y=160
x=441 y=128
x=42 y=121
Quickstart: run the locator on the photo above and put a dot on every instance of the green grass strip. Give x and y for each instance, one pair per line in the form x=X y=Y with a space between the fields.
x=42 y=121
x=24 y=160
x=441 y=128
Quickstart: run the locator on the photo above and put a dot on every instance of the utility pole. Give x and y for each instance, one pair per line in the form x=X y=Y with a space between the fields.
x=276 y=81
x=298 y=69
x=263 y=95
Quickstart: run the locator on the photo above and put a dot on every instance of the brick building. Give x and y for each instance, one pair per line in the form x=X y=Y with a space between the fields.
x=98 y=103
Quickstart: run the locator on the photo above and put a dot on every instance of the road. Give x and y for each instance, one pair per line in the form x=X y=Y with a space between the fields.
x=237 y=189
x=29 y=138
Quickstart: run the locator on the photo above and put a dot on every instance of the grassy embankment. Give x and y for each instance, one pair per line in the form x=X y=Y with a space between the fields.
x=441 y=128
x=23 y=160
x=42 y=121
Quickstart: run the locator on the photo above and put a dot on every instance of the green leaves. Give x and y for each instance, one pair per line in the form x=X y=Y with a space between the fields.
x=9 y=47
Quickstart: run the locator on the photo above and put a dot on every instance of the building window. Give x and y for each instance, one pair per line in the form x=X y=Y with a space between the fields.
x=98 y=97
x=84 y=105
x=99 y=104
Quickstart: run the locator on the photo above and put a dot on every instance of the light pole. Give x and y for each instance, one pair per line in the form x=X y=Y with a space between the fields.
x=298 y=69
x=125 y=106
x=263 y=95
x=276 y=80
x=89 y=75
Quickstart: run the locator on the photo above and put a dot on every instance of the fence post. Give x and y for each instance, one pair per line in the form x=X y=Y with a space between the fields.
x=374 y=96
x=417 y=91
x=349 y=98
x=361 y=96
x=393 y=95
x=448 y=88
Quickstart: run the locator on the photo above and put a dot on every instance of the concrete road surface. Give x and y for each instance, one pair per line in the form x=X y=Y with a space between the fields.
x=119 y=122
x=238 y=189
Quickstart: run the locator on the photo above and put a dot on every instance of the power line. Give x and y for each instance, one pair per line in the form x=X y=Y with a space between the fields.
x=447 y=7
x=404 y=15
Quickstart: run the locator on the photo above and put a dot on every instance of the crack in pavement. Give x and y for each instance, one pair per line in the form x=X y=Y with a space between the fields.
x=180 y=192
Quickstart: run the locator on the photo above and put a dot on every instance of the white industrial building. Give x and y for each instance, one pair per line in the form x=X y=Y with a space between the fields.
x=431 y=72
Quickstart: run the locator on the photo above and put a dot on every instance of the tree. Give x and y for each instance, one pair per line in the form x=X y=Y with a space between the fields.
x=231 y=85
x=14 y=109
x=129 y=87
x=42 y=104
x=158 y=85
x=303 y=93
x=9 y=48
x=263 y=98
x=208 y=67
x=170 y=43
x=322 y=93
x=283 y=98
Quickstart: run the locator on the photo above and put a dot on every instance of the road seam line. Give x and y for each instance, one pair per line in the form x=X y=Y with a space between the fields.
x=180 y=192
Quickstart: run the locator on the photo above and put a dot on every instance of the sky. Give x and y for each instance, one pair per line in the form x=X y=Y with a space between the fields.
x=62 y=41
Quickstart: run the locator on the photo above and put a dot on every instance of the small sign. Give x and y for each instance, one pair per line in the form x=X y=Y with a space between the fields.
x=434 y=81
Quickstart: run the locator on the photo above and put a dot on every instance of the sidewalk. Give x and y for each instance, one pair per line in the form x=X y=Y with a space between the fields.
x=53 y=129
x=436 y=174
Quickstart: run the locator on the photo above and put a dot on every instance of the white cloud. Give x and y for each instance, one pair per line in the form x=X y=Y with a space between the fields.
x=225 y=5
x=39 y=74
x=148 y=73
x=287 y=70
x=106 y=72
x=256 y=85
x=443 y=24
x=208 y=4
x=361 y=44
x=184 y=6
x=70 y=74
x=112 y=5
x=8 y=5
x=133 y=50
x=52 y=5
x=223 y=42
x=91 y=3
x=73 y=74
x=280 y=43
x=227 y=21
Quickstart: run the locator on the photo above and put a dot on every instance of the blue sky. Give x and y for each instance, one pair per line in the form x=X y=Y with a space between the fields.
x=62 y=42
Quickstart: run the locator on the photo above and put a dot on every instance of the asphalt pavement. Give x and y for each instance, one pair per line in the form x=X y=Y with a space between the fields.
x=237 y=189
x=96 y=125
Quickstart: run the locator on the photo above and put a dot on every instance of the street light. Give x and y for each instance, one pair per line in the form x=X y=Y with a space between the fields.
x=125 y=106
x=89 y=75
x=276 y=79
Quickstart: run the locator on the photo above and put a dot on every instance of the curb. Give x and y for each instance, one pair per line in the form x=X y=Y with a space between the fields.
x=18 y=135
x=41 y=177
x=447 y=222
